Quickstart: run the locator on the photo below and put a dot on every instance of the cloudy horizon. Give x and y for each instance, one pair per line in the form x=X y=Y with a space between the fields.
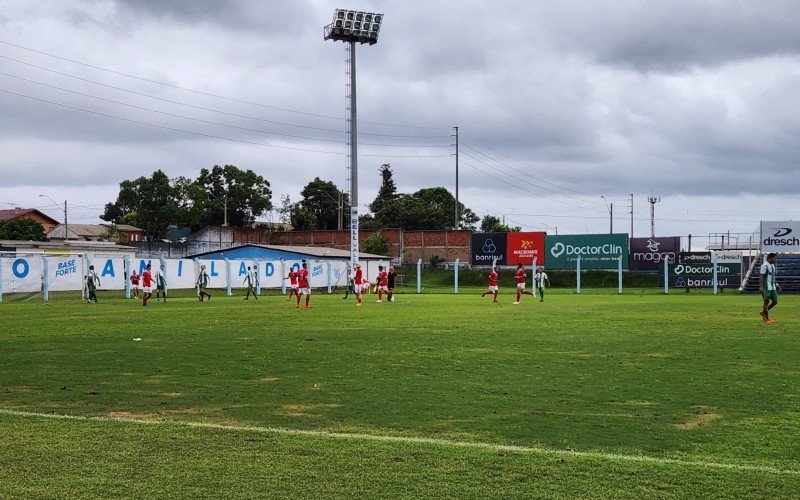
x=561 y=107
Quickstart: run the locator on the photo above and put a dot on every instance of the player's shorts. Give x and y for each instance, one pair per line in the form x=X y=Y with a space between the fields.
x=134 y=287
x=770 y=295
x=160 y=287
x=304 y=291
x=520 y=286
x=147 y=289
x=493 y=288
x=293 y=287
x=383 y=288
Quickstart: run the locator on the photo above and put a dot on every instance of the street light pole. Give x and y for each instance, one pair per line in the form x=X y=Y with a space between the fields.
x=66 y=225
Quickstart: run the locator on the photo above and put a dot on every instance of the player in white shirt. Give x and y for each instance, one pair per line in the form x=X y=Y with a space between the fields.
x=161 y=283
x=251 y=280
x=768 y=286
x=540 y=282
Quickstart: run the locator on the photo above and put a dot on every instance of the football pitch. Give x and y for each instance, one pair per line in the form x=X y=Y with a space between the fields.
x=434 y=395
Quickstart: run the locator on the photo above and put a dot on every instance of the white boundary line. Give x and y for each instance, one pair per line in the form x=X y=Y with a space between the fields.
x=421 y=440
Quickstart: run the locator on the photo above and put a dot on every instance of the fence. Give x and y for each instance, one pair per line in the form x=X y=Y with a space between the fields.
x=42 y=274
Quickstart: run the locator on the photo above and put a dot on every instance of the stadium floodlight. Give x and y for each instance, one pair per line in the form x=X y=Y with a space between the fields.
x=351 y=27
x=354 y=26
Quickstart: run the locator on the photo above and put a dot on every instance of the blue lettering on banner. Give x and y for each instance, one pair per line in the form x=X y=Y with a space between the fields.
x=108 y=269
x=65 y=268
x=25 y=268
x=242 y=270
x=143 y=265
x=269 y=269
x=214 y=269
x=316 y=270
x=180 y=268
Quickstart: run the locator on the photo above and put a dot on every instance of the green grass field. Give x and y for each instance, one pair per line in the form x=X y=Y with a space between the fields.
x=591 y=395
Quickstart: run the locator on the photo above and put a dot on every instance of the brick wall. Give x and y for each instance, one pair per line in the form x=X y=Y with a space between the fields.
x=410 y=245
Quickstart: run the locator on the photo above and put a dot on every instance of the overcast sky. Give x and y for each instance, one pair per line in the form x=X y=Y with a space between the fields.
x=557 y=104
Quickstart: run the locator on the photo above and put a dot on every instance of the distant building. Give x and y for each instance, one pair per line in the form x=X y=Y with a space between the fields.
x=47 y=222
x=95 y=232
x=89 y=248
x=286 y=252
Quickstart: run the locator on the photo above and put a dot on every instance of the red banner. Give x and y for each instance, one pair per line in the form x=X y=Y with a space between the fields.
x=523 y=247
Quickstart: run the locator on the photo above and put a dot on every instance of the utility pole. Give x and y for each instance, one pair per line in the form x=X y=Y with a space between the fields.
x=631 y=215
x=66 y=225
x=225 y=207
x=610 y=209
x=653 y=200
x=456 y=225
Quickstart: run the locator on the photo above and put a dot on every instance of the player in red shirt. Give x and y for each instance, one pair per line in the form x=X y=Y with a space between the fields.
x=147 y=285
x=303 y=286
x=292 y=284
x=520 y=277
x=382 y=283
x=359 y=283
x=135 y=283
x=493 y=288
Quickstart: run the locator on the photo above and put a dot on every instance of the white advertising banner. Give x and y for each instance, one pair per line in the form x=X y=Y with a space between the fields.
x=110 y=272
x=65 y=273
x=181 y=273
x=217 y=277
x=25 y=273
x=780 y=236
x=22 y=274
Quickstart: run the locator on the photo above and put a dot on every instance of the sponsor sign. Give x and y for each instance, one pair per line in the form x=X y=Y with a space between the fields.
x=727 y=256
x=66 y=273
x=597 y=251
x=705 y=269
x=694 y=257
x=780 y=236
x=487 y=246
x=701 y=281
x=523 y=247
x=647 y=253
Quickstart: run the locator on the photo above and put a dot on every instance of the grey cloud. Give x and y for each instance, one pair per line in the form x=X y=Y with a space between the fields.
x=677 y=35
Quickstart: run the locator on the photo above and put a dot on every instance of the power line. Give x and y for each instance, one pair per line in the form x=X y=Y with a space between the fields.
x=201 y=134
x=165 y=127
x=175 y=115
x=193 y=106
x=521 y=162
x=528 y=182
x=208 y=94
x=527 y=174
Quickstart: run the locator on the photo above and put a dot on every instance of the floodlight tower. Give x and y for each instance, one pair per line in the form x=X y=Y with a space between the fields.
x=351 y=27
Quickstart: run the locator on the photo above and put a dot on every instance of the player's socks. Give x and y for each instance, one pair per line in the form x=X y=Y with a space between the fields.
x=763 y=314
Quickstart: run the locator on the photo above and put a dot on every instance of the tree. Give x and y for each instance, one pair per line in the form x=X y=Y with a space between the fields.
x=492 y=224
x=302 y=219
x=285 y=211
x=326 y=202
x=376 y=243
x=387 y=192
x=22 y=229
x=246 y=194
x=155 y=203
x=150 y=204
x=428 y=208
